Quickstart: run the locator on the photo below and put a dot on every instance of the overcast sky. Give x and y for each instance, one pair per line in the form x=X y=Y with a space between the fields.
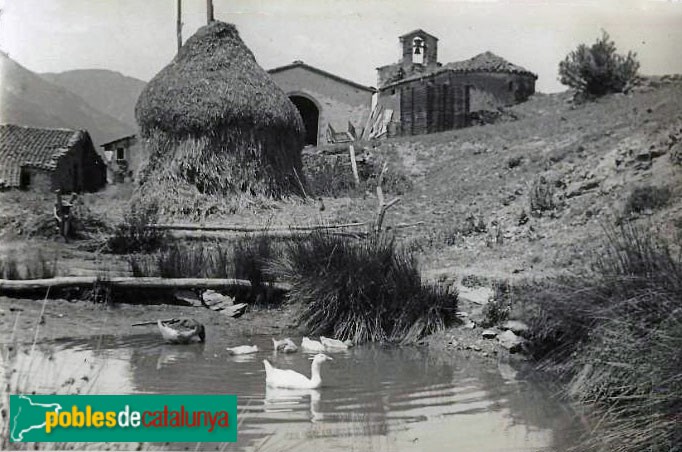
x=347 y=37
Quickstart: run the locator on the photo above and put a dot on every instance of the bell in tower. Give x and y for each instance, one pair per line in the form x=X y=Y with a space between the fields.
x=418 y=49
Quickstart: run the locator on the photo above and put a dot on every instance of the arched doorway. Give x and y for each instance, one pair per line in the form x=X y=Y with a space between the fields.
x=310 y=114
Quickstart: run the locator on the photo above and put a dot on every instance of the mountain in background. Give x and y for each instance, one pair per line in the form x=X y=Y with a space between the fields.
x=28 y=99
x=110 y=92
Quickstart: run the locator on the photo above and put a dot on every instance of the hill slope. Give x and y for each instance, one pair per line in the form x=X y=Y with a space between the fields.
x=592 y=157
x=107 y=91
x=28 y=99
x=472 y=187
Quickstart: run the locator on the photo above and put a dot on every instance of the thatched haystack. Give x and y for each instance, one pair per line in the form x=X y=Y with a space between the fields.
x=218 y=129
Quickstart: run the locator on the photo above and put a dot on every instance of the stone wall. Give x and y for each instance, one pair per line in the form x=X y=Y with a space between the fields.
x=500 y=89
x=337 y=102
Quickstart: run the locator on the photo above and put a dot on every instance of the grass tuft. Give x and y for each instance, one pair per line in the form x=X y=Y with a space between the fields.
x=616 y=337
x=363 y=290
x=132 y=235
x=30 y=266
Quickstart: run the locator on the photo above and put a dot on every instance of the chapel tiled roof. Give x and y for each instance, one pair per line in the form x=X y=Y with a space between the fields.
x=486 y=62
x=32 y=147
x=483 y=62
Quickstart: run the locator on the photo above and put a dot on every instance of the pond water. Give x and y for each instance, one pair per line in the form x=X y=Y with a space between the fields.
x=373 y=397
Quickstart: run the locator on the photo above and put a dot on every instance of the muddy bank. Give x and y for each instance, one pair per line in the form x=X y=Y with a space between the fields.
x=20 y=318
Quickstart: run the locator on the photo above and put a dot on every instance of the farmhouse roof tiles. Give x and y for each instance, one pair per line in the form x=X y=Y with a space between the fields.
x=32 y=147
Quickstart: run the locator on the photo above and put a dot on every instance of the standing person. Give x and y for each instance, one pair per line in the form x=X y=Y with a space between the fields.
x=62 y=213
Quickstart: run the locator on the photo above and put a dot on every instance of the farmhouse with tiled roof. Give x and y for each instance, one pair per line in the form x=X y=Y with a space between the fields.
x=43 y=159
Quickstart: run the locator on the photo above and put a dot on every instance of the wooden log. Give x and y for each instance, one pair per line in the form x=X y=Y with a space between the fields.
x=27 y=285
x=154 y=322
x=406 y=225
x=272 y=234
x=237 y=228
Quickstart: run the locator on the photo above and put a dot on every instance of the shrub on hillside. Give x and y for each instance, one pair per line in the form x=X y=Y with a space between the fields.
x=598 y=70
x=363 y=290
x=542 y=195
x=647 y=197
x=615 y=339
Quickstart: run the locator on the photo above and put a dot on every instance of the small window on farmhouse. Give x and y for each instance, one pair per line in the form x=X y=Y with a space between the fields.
x=393 y=92
x=120 y=154
x=511 y=86
x=418 y=50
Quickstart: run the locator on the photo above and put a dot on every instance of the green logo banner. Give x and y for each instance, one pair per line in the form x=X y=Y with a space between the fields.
x=123 y=418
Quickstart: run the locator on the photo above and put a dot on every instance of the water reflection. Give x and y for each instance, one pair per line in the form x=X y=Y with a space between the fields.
x=372 y=396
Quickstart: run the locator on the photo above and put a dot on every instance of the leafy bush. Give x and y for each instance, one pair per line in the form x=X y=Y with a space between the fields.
x=362 y=289
x=647 y=197
x=598 y=70
x=615 y=339
x=133 y=235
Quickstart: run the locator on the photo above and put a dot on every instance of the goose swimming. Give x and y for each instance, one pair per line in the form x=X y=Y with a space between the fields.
x=335 y=344
x=284 y=345
x=312 y=346
x=242 y=349
x=285 y=378
x=183 y=331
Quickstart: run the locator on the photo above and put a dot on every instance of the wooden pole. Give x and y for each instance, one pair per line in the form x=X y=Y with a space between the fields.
x=354 y=164
x=383 y=205
x=209 y=11
x=179 y=24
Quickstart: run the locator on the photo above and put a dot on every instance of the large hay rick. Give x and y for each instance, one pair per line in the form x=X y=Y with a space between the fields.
x=219 y=131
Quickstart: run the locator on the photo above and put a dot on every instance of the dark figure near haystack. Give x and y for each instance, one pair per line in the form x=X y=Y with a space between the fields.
x=220 y=133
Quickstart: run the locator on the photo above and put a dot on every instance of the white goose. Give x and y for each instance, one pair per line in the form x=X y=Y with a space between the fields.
x=312 y=346
x=242 y=349
x=284 y=345
x=335 y=344
x=285 y=378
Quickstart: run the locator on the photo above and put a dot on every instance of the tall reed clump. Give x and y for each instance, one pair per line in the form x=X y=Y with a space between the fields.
x=133 y=234
x=616 y=339
x=363 y=290
x=244 y=258
x=30 y=266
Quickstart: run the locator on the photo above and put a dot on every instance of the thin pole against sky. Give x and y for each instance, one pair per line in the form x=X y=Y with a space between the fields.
x=209 y=11
x=179 y=24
